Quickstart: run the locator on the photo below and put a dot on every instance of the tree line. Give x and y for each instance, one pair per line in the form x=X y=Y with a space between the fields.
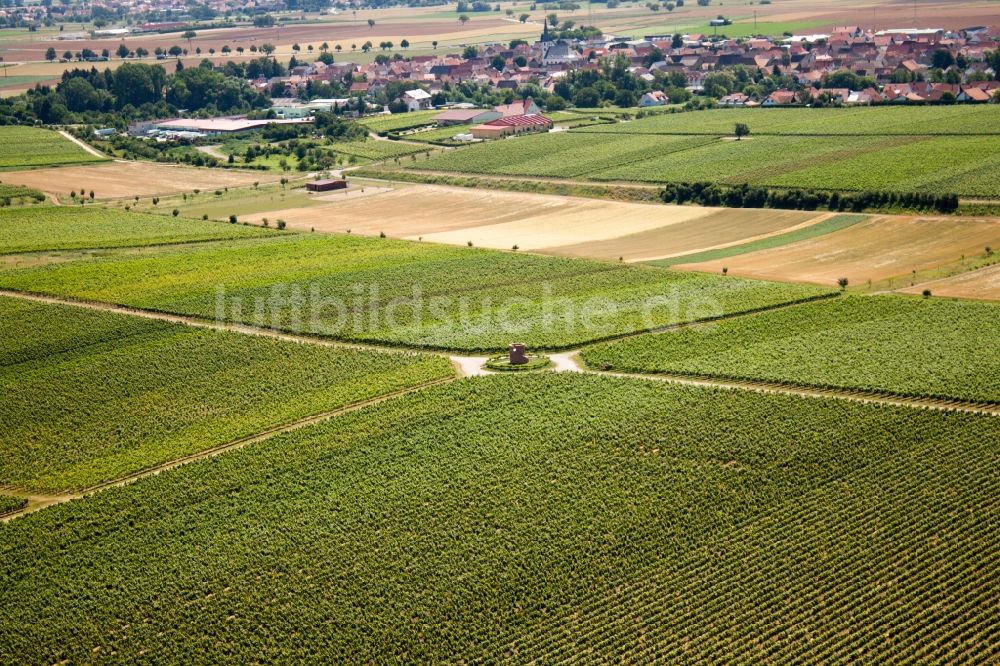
x=749 y=196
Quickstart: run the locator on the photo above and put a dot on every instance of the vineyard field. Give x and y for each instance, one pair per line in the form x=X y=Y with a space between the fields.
x=72 y=228
x=377 y=150
x=439 y=133
x=561 y=154
x=960 y=119
x=104 y=395
x=896 y=344
x=967 y=165
x=608 y=519
x=407 y=293
x=9 y=503
x=22 y=147
x=399 y=121
x=19 y=194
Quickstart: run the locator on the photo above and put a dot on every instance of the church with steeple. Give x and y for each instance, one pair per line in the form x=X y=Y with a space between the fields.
x=545 y=33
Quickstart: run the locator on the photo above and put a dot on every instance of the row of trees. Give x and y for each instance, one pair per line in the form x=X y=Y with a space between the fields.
x=748 y=196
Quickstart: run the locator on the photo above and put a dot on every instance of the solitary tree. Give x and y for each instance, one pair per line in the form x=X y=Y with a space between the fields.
x=463 y=19
x=434 y=44
x=371 y=23
x=843 y=283
x=50 y=54
x=741 y=130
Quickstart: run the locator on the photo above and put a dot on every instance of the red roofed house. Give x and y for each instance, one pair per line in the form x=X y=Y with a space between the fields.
x=511 y=125
x=779 y=97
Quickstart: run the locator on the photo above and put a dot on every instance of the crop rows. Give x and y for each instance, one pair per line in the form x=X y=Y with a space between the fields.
x=19 y=194
x=444 y=133
x=891 y=160
x=381 y=290
x=377 y=150
x=399 y=121
x=902 y=345
x=961 y=165
x=559 y=155
x=874 y=121
x=827 y=226
x=606 y=519
x=36 y=147
x=9 y=503
x=68 y=228
x=102 y=395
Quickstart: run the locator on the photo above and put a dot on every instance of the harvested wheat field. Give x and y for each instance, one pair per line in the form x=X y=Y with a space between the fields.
x=719 y=229
x=534 y=221
x=117 y=180
x=488 y=218
x=882 y=247
x=982 y=284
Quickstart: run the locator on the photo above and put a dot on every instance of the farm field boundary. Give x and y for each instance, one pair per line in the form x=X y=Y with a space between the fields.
x=575 y=363
x=820 y=228
x=552 y=537
x=36 y=501
x=890 y=345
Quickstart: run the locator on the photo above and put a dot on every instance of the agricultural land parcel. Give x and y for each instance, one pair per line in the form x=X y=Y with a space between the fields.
x=725 y=228
x=813 y=229
x=612 y=518
x=943 y=149
x=877 y=249
x=120 y=180
x=981 y=284
x=77 y=227
x=22 y=147
x=398 y=292
x=894 y=344
x=104 y=395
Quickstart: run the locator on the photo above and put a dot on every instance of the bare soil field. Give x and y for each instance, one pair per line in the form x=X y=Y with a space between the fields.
x=719 y=229
x=283 y=37
x=877 y=249
x=982 y=284
x=117 y=180
x=486 y=217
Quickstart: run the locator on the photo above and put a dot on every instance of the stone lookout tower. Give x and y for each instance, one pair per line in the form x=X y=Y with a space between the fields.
x=517 y=353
